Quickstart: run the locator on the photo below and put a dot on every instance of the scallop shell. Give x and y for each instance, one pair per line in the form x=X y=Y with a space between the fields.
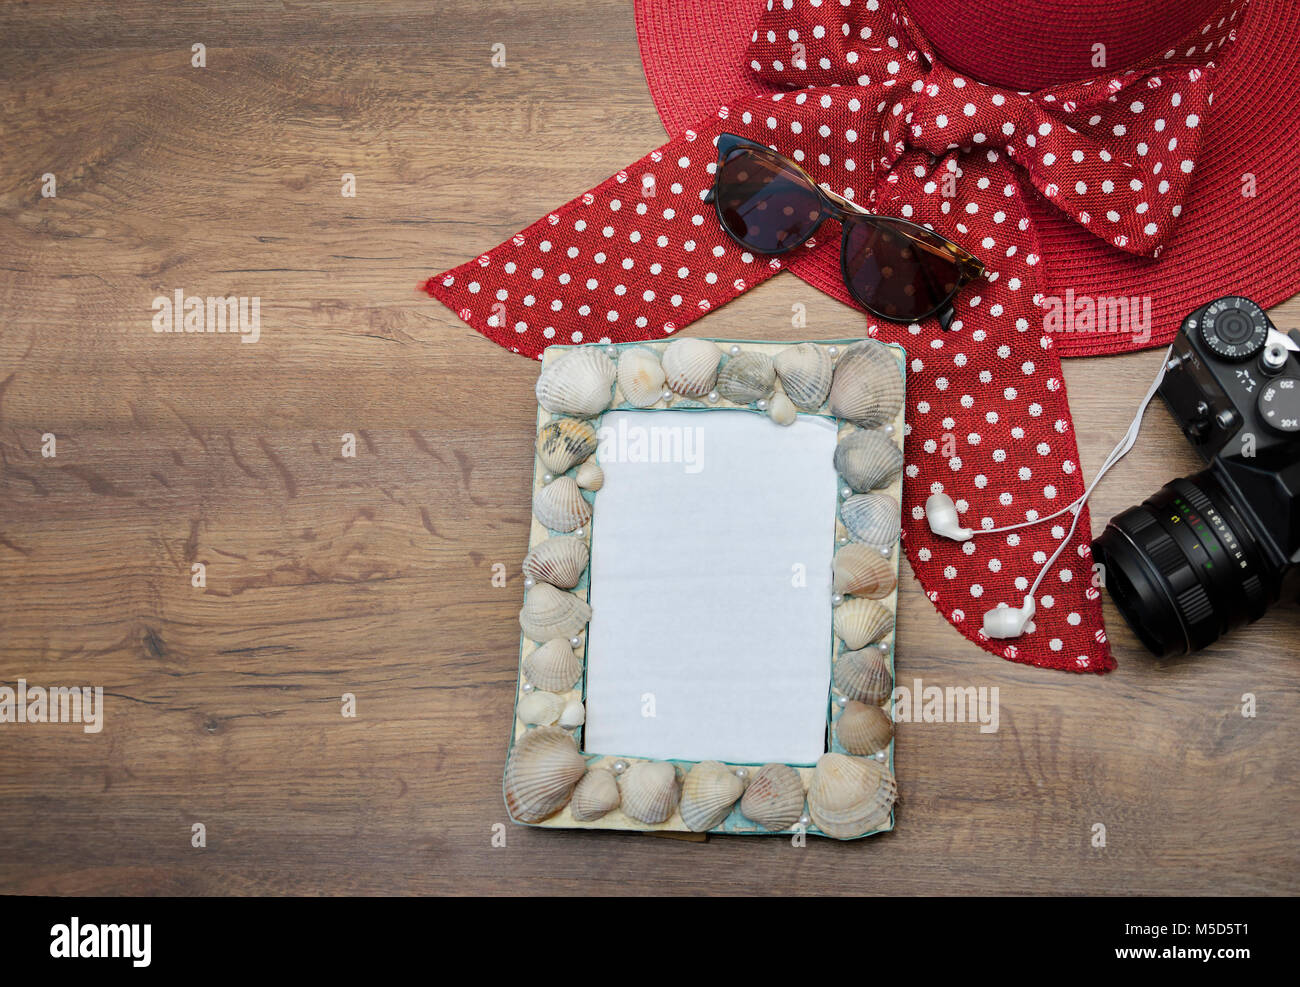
x=590 y=476
x=868 y=385
x=850 y=796
x=553 y=666
x=564 y=443
x=541 y=773
x=747 y=377
x=863 y=729
x=867 y=459
x=596 y=795
x=692 y=366
x=805 y=371
x=641 y=377
x=871 y=518
x=649 y=791
x=549 y=613
x=560 y=506
x=539 y=708
x=580 y=383
x=864 y=676
x=573 y=715
x=860 y=570
x=708 y=793
x=781 y=410
x=774 y=799
x=558 y=561
x=861 y=622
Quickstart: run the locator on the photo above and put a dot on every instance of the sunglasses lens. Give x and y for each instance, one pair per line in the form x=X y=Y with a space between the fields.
x=899 y=272
x=765 y=203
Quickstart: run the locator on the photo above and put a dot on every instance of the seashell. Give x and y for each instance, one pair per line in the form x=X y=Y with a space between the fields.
x=558 y=561
x=579 y=384
x=708 y=793
x=539 y=708
x=641 y=377
x=560 y=505
x=596 y=795
x=861 y=622
x=863 y=729
x=850 y=796
x=867 y=388
x=867 y=459
x=774 y=799
x=573 y=715
x=781 y=410
x=747 y=377
x=549 y=613
x=864 y=676
x=553 y=666
x=649 y=791
x=590 y=476
x=691 y=366
x=541 y=773
x=871 y=518
x=564 y=443
x=805 y=371
x=862 y=571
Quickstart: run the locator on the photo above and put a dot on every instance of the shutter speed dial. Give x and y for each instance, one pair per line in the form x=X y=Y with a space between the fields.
x=1235 y=328
x=1279 y=405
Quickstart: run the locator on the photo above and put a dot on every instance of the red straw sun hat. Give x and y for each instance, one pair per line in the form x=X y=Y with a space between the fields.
x=1240 y=228
x=1119 y=151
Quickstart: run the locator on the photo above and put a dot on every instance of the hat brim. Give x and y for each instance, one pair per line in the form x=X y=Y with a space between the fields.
x=1229 y=242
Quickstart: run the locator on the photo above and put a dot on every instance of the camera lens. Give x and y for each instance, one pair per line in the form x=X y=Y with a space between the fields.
x=1184 y=568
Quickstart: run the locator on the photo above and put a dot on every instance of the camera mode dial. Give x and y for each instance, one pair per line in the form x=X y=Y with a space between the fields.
x=1234 y=328
x=1279 y=404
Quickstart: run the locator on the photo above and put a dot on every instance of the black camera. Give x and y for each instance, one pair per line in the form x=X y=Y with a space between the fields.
x=1215 y=550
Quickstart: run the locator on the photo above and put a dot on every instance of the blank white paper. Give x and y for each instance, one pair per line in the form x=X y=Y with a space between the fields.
x=710 y=635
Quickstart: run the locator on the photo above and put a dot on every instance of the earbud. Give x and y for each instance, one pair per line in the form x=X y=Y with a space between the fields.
x=941 y=512
x=1003 y=622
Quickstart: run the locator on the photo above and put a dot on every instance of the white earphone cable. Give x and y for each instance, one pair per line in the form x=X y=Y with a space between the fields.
x=1119 y=452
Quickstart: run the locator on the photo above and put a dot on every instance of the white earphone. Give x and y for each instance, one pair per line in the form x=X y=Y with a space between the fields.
x=1005 y=621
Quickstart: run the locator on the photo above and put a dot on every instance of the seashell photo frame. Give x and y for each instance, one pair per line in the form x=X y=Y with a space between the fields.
x=551 y=780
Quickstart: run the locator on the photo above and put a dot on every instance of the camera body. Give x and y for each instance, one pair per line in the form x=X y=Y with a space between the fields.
x=1215 y=550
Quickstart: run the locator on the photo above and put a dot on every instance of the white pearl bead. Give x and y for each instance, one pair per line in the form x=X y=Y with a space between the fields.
x=837 y=599
x=527 y=688
x=735 y=350
x=577 y=532
x=805 y=820
x=547 y=477
x=620 y=767
x=667 y=394
x=886 y=552
x=846 y=492
x=832 y=351
x=841 y=700
x=611 y=351
x=887 y=429
x=713 y=397
x=762 y=404
x=575 y=642
x=529 y=582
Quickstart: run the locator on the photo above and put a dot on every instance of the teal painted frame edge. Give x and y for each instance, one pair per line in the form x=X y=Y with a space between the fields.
x=735 y=824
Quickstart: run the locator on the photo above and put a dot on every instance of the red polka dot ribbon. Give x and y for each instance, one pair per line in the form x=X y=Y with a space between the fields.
x=861 y=102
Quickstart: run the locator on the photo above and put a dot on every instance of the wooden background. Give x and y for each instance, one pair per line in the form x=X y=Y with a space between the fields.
x=372 y=575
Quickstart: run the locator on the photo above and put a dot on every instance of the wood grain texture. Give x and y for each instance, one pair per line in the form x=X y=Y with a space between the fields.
x=372 y=575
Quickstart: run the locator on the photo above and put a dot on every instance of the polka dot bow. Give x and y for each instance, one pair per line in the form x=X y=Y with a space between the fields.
x=855 y=95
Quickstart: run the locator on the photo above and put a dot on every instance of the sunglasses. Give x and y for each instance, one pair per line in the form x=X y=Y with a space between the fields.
x=894 y=269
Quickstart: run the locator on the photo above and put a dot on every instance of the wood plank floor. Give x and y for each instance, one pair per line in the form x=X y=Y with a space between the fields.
x=373 y=575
